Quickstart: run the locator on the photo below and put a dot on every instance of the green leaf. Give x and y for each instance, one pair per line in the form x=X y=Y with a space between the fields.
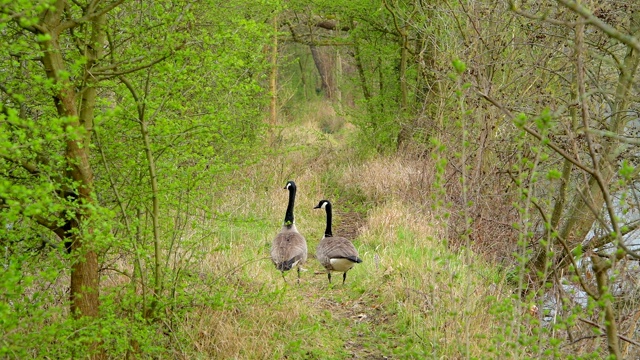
x=459 y=66
x=554 y=174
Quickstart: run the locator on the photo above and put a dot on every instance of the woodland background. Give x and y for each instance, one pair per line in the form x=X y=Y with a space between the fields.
x=482 y=156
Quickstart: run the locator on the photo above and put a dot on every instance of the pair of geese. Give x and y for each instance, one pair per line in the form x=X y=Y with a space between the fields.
x=289 y=247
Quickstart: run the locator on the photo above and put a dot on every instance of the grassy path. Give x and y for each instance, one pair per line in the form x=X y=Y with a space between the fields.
x=406 y=300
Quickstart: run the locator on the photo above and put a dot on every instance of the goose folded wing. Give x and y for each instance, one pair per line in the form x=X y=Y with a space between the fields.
x=341 y=248
x=288 y=264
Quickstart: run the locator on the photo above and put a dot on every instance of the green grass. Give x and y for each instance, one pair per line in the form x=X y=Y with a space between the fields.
x=410 y=298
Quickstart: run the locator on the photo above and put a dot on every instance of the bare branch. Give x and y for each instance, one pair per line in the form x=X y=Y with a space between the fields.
x=614 y=234
x=88 y=17
x=544 y=17
x=105 y=74
x=332 y=25
x=621 y=337
x=603 y=240
x=611 y=134
x=584 y=285
x=603 y=26
x=134 y=94
x=31 y=168
x=535 y=134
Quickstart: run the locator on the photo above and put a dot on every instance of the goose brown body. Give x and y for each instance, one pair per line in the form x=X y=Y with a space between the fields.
x=335 y=253
x=289 y=248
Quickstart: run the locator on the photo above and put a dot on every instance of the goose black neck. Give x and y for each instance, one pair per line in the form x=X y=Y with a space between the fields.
x=327 y=231
x=288 y=217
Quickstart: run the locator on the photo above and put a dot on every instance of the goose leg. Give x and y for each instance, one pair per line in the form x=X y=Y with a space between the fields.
x=329 y=276
x=344 y=277
x=298 y=275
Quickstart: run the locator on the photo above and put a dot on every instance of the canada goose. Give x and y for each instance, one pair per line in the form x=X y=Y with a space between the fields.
x=335 y=253
x=289 y=248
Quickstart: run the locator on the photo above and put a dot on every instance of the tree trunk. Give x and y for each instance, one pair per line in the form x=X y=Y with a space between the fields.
x=84 y=287
x=155 y=214
x=406 y=125
x=600 y=268
x=324 y=64
x=366 y=92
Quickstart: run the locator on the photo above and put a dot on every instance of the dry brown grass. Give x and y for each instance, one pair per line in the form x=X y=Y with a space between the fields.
x=384 y=221
x=238 y=334
x=443 y=297
x=390 y=177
